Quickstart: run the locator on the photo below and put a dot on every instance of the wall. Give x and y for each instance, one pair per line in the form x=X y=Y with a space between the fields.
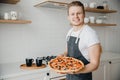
x=46 y=34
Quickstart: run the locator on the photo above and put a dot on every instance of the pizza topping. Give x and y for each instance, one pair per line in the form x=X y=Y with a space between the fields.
x=66 y=64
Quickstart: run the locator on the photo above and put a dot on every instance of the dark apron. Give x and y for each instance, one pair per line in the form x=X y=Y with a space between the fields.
x=73 y=51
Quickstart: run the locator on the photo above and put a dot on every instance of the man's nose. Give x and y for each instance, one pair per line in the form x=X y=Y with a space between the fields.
x=76 y=15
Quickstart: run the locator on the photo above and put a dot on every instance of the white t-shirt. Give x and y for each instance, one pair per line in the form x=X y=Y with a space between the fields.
x=88 y=37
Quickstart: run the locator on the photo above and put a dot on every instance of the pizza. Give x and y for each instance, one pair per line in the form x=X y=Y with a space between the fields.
x=66 y=64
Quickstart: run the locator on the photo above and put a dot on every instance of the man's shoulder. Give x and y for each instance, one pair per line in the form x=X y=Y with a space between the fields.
x=89 y=30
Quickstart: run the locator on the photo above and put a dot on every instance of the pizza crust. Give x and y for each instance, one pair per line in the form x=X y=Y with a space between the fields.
x=65 y=64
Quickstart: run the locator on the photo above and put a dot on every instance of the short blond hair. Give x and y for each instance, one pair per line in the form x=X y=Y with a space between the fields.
x=76 y=3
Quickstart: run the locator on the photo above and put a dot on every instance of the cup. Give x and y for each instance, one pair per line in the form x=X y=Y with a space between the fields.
x=92 y=19
x=86 y=20
x=39 y=61
x=92 y=5
x=6 y=16
x=29 y=62
x=13 y=15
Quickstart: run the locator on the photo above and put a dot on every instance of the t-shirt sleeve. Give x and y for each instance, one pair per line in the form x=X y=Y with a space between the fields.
x=92 y=39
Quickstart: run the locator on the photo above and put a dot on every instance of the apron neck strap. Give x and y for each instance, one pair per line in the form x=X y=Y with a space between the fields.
x=77 y=36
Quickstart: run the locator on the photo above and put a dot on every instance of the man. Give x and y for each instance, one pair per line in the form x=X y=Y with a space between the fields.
x=82 y=43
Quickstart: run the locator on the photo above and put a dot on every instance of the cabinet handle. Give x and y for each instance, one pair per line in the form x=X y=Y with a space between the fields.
x=48 y=74
x=110 y=62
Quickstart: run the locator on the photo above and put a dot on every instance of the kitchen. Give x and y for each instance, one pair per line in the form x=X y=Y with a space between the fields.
x=45 y=36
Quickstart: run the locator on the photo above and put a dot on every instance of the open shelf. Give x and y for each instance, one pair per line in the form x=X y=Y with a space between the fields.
x=99 y=10
x=62 y=5
x=102 y=24
x=52 y=4
x=59 y=5
x=9 y=1
x=16 y=21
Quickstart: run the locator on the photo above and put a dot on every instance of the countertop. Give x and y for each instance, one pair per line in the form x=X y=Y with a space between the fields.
x=9 y=70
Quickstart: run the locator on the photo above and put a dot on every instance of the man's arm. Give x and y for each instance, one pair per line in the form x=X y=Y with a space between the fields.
x=94 y=53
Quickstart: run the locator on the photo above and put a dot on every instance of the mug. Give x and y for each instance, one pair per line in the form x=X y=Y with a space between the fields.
x=39 y=61
x=13 y=15
x=92 y=5
x=29 y=61
x=6 y=16
x=86 y=20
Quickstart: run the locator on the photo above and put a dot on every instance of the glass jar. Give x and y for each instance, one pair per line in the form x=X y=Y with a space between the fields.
x=105 y=4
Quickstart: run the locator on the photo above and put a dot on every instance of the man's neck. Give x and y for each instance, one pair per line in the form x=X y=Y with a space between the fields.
x=76 y=28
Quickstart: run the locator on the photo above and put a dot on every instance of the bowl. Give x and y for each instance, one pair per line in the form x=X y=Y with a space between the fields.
x=99 y=21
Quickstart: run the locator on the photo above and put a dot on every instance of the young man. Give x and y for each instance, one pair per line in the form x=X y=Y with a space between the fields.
x=82 y=43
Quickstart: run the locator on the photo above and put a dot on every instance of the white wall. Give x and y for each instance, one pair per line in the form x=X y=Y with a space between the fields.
x=46 y=34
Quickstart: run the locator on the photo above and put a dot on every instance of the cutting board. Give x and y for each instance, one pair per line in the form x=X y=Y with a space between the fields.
x=23 y=66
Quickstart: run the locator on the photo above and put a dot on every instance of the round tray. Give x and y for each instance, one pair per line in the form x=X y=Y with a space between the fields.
x=23 y=66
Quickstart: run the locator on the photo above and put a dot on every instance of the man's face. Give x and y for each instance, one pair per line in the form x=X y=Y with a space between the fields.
x=76 y=15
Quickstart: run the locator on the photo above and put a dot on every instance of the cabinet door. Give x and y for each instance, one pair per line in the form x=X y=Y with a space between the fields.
x=114 y=70
x=100 y=73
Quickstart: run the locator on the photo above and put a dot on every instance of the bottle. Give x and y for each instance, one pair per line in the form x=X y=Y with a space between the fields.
x=47 y=77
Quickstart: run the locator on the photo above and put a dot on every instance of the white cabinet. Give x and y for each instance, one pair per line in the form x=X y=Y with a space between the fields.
x=108 y=70
x=114 y=70
x=100 y=73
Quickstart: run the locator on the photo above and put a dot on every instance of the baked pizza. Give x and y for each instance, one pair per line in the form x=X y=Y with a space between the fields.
x=66 y=64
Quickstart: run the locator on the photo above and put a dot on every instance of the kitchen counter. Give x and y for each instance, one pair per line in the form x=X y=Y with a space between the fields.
x=9 y=70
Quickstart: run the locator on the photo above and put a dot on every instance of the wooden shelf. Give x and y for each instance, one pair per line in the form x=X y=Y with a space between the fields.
x=52 y=4
x=16 y=21
x=103 y=24
x=9 y=1
x=62 y=5
x=59 y=5
x=99 y=10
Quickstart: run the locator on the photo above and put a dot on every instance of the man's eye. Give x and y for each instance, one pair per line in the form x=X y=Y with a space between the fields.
x=72 y=14
x=79 y=13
